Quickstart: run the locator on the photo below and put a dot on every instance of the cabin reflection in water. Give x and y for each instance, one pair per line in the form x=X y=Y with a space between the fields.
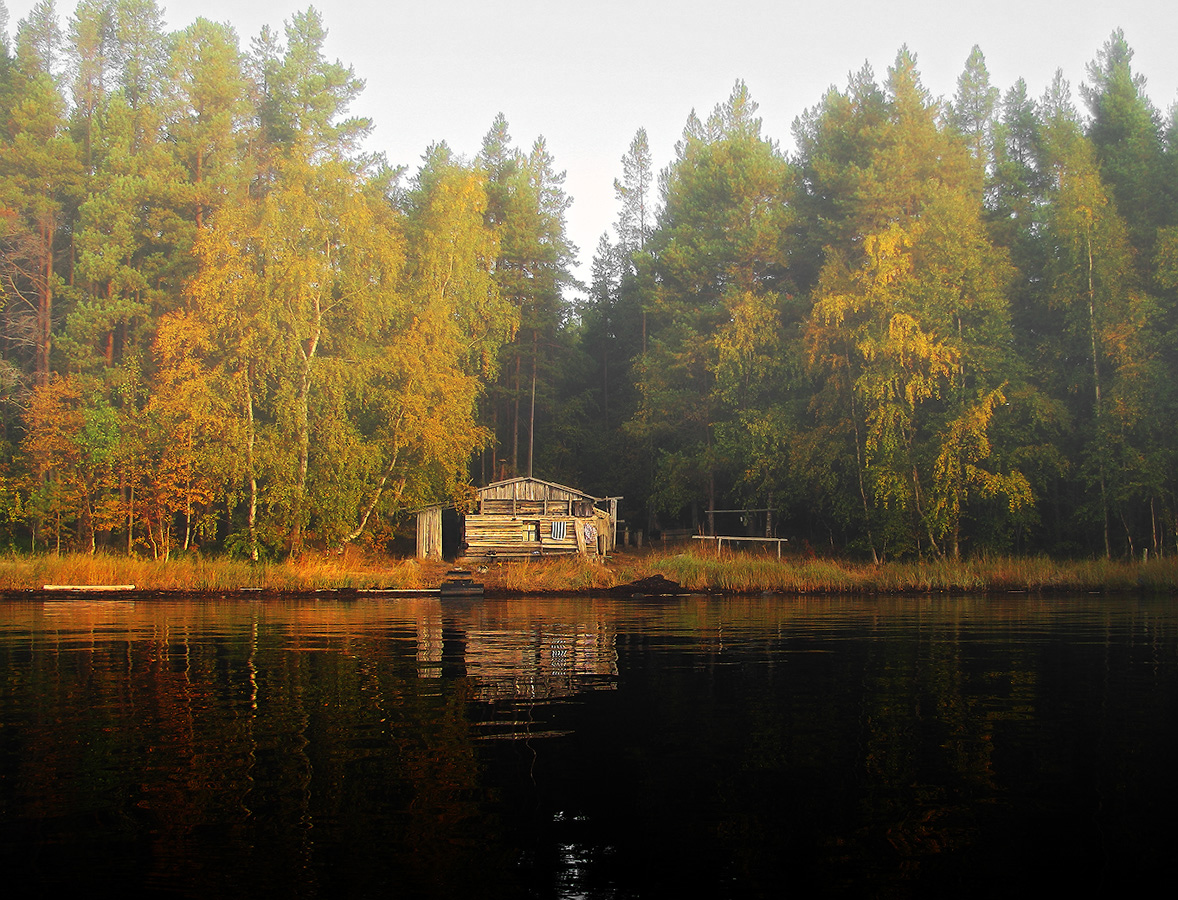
x=520 y=657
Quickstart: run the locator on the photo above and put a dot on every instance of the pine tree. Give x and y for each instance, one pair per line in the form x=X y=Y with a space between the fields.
x=635 y=216
x=720 y=255
x=1089 y=273
x=39 y=41
x=526 y=207
x=208 y=119
x=972 y=111
x=91 y=50
x=1125 y=130
x=40 y=178
x=304 y=97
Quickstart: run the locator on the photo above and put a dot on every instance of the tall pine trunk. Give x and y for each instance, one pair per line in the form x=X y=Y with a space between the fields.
x=1096 y=389
x=45 y=304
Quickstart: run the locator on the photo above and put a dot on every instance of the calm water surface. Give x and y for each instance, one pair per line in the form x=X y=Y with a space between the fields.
x=589 y=748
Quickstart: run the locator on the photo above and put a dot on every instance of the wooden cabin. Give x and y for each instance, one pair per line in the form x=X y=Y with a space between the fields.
x=522 y=518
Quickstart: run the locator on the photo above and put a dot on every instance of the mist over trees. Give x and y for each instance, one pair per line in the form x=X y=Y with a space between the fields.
x=936 y=327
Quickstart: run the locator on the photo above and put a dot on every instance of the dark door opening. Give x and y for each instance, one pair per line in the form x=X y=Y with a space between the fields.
x=451 y=534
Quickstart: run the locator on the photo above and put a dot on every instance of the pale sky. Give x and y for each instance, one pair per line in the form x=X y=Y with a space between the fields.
x=587 y=75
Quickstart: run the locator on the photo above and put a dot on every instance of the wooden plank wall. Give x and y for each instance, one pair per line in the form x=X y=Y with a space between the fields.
x=527 y=508
x=429 y=533
x=503 y=537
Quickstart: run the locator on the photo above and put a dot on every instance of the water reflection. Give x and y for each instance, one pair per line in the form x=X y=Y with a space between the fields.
x=601 y=748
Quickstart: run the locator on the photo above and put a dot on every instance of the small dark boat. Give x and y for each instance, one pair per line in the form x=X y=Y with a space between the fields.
x=459 y=583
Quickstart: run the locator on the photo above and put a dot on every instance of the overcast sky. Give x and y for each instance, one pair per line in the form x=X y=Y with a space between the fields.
x=588 y=74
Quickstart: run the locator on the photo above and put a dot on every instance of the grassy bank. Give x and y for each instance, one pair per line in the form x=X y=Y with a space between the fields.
x=213 y=574
x=695 y=570
x=1002 y=574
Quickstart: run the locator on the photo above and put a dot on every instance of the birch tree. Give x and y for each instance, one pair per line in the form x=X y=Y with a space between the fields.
x=909 y=326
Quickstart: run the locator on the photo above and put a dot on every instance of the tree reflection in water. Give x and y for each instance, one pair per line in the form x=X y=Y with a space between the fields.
x=573 y=747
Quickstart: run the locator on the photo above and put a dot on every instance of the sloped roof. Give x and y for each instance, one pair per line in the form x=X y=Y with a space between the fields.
x=498 y=488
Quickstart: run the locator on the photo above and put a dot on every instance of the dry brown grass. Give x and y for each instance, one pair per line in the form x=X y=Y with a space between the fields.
x=557 y=574
x=191 y=573
x=705 y=571
x=695 y=569
x=745 y=574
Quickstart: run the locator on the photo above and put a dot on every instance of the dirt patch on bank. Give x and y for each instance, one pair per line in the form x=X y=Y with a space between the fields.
x=651 y=586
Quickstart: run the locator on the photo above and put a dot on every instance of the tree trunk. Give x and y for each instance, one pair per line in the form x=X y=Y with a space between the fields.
x=1096 y=390
x=859 y=466
x=532 y=414
x=307 y=349
x=515 y=419
x=188 y=521
x=45 y=305
x=1153 y=526
x=376 y=495
x=131 y=517
x=303 y=445
x=252 y=515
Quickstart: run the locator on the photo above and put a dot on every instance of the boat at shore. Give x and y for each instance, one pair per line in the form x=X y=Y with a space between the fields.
x=460 y=583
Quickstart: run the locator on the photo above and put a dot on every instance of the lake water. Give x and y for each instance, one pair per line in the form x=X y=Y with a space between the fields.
x=571 y=747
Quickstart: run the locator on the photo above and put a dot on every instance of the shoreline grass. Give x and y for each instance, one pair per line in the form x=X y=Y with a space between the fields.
x=696 y=570
x=210 y=574
x=982 y=575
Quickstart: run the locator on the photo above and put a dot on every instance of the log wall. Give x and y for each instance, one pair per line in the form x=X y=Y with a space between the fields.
x=505 y=537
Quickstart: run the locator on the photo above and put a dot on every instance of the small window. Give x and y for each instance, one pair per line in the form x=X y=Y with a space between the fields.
x=531 y=532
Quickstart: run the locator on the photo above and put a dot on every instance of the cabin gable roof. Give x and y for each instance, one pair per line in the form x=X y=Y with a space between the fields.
x=525 y=488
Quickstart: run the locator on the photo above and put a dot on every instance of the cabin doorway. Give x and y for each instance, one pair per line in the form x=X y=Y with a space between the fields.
x=451 y=534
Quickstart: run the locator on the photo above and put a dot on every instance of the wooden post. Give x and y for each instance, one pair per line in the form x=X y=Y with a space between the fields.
x=613 y=521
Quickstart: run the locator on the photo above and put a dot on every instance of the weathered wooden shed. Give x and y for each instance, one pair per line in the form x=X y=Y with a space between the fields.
x=525 y=517
x=429 y=533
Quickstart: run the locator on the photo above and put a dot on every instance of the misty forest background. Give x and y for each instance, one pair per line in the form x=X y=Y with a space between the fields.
x=935 y=328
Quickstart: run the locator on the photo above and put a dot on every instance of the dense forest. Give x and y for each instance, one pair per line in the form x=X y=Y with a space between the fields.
x=934 y=328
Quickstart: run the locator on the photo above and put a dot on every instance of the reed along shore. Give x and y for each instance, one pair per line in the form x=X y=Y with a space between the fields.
x=694 y=570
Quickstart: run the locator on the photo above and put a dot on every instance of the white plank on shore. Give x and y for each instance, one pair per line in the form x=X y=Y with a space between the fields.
x=404 y=592
x=88 y=587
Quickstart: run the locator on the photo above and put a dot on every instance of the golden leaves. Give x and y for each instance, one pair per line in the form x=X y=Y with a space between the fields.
x=749 y=343
x=956 y=473
x=914 y=365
